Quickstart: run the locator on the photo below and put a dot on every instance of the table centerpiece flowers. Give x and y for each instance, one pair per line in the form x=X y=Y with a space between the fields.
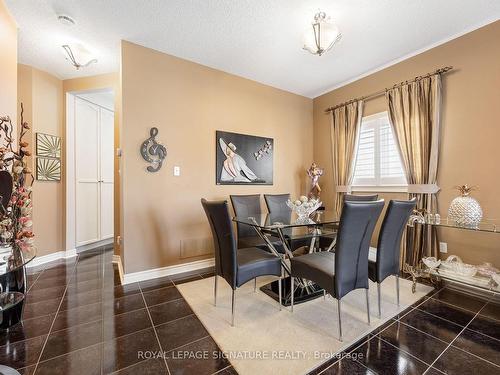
x=304 y=206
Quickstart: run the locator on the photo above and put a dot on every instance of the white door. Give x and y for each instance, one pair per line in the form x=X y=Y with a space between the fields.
x=87 y=172
x=107 y=169
x=94 y=144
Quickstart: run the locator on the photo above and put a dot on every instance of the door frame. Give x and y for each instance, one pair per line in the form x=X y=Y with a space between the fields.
x=70 y=169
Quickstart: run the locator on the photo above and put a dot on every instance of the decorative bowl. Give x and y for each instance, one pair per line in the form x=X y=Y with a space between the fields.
x=304 y=206
x=466 y=270
x=431 y=262
x=450 y=263
x=487 y=269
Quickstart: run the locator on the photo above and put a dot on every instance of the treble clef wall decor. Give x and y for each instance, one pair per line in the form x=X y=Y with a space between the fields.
x=153 y=152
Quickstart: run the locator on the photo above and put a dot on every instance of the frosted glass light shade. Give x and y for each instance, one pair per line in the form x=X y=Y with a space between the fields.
x=78 y=55
x=321 y=36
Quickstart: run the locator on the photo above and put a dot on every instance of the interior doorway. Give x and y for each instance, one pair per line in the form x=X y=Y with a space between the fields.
x=89 y=169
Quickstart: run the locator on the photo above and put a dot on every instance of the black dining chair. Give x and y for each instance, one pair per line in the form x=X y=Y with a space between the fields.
x=325 y=241
x=236 y=266
x=347 y=269
x=383 y=261
x=277 y=202
x=246 y=206
x=280 y=212
x=360 y=198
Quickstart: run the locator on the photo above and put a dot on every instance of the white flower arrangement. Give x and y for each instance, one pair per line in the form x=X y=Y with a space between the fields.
x=304 y=206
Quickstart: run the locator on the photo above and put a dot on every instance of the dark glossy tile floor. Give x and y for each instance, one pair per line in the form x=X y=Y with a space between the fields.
x=448 y=332
x=80 y=320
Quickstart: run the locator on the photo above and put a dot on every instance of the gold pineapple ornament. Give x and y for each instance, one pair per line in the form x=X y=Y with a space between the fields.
x=465 y=210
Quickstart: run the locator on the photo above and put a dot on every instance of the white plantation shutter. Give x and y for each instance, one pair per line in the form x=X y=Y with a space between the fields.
x=364 y=172
x=377 y=160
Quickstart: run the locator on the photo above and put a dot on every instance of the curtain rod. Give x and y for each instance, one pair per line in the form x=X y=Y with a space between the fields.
x=382 y=92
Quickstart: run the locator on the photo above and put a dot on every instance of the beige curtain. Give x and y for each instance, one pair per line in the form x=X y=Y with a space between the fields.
x=414 y=111
x=346 y=124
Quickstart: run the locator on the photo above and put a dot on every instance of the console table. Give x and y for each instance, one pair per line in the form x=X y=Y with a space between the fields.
x=483 y=283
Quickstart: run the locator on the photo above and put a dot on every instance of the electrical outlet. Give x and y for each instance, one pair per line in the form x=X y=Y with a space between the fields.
x=443 y=247
x=177 y=171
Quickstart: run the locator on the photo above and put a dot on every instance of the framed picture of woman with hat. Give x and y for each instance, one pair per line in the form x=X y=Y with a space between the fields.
x=243 y=159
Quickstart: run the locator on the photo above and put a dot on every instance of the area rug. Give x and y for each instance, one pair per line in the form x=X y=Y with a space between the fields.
x=265 y=340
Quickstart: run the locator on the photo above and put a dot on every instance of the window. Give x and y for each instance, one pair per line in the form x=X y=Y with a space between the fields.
x=378 y=163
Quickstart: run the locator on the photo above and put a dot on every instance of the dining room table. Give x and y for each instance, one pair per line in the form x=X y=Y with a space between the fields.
x=318 y=231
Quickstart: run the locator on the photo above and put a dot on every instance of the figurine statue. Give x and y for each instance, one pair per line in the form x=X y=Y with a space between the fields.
x=314 y=173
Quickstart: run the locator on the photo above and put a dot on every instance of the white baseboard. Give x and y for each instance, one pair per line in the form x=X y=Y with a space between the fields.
x=167 y=271
x=118 y=261
x=52 y=257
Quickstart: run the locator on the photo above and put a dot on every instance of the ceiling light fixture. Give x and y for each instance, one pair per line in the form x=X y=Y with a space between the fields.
x=66 y=20
x=323 y=36
x=72 y=59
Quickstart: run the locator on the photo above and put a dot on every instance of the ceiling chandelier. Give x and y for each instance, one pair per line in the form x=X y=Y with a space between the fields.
x=323 y=35
x=82 y=53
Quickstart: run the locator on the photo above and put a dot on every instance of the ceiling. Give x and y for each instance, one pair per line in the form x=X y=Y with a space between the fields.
x=255 y=39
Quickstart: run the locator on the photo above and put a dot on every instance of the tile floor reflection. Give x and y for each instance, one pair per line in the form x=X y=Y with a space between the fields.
x=80 y=320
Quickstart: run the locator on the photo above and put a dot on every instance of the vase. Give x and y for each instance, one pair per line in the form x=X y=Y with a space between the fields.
x=465 y=210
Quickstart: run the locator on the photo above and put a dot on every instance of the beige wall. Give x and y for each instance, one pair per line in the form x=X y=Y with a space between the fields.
x=41 y=95
x=188 y=103
x=470 y=130
x=8 y=64
x=103 y=81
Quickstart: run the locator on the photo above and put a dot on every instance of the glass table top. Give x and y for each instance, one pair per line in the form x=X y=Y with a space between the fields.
x=486 y=225
x=288 y=220
x=13 y=258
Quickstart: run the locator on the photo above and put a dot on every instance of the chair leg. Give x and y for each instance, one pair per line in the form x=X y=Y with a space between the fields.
x=279 y=291
x=340 y=319
x=254 y=284
x=215 y=291
x=292 y=291
x=232 y=309
x=397 y=289
x=324 y=294
x=368 y=305
x=378 y=297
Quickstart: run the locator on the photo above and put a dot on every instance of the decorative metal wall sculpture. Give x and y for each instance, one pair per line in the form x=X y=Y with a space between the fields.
x=48 y=162
x=48 y=169
x=153 y=152
x=48 y=145
x=236 y=160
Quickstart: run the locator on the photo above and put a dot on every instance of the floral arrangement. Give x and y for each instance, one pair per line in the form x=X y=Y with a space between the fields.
x=15 y=190
x=304 y=206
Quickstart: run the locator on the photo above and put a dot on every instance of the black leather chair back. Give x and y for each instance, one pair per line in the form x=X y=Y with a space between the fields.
x=223 y=236
x=360 y=198
x=277 y=202
x=245 y=206
x=357 y=223
x=278 y=210
x=389 y=240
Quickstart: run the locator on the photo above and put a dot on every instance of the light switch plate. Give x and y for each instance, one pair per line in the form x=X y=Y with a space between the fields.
x=443 y=247
x=177 y=171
